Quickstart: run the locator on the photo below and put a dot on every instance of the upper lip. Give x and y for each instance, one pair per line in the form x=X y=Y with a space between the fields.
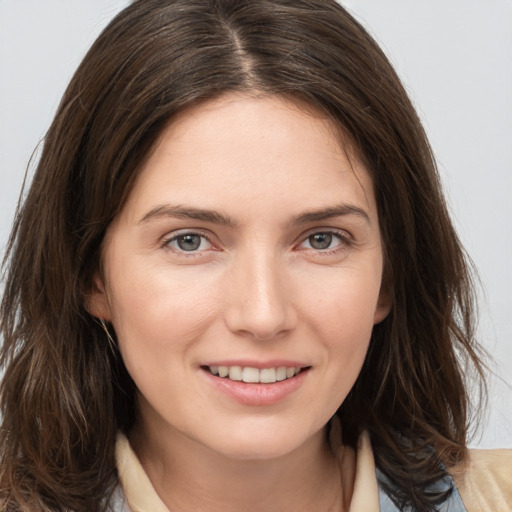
x=246 y=363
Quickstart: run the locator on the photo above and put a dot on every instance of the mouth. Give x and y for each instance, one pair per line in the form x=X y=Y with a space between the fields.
x=255 y=375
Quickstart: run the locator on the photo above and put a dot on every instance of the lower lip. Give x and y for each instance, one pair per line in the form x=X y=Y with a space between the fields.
x=257 y=394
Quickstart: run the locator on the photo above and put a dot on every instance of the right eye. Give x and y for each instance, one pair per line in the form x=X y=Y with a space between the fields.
x=188 y=242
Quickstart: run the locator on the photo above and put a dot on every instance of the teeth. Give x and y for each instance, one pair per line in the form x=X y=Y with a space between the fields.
x=281 y=373
x=268 y=375
x=235 y=373
x=254 y=375
x=250 y=375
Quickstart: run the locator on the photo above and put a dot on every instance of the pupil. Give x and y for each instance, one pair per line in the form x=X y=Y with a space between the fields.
x=320 y=240
x=189 y=242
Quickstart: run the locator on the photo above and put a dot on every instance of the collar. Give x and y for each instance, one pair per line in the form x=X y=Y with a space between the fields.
x=357 y=467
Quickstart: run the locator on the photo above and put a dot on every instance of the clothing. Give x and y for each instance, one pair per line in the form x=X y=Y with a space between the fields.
x=484 y=485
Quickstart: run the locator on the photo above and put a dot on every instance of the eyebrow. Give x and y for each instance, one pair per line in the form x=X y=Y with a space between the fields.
x=215 y=217
x=181 y=212
x=327 y=213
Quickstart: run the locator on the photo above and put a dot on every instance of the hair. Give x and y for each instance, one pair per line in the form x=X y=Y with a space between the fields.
x=66 y=391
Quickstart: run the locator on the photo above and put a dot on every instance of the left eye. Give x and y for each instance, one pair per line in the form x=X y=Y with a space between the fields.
x=322 y=241
x=189 y=242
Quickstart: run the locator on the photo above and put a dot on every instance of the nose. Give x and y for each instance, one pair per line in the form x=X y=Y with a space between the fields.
x=259 y=301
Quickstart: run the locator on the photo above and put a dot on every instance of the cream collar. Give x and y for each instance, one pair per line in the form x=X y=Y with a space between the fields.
x=357 y=468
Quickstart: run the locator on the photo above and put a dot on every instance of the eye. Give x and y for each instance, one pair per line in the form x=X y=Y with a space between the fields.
x=324 y=240
x=188 y=242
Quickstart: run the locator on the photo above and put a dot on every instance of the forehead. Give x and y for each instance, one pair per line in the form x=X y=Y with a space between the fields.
x=271 y=117
x=260 y=149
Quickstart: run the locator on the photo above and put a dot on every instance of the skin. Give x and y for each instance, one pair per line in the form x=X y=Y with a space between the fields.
x=257 y=288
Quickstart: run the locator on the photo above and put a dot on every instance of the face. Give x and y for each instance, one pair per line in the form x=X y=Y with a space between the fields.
x=243 y=277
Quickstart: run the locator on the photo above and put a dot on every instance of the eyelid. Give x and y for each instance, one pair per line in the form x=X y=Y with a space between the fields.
x=345 y=238
x=174 y=235
x=342 y=233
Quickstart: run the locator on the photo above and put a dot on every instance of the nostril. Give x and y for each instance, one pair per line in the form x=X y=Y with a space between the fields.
x=259 y=306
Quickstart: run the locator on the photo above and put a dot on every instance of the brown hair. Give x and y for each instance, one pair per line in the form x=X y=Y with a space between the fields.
x=66 y=392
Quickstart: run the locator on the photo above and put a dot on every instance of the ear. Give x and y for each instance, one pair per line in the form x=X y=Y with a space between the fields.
x=96 y=302
x=384 y=305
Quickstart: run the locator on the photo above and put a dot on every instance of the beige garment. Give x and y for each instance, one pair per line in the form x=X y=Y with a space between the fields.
x=137 y=488
x=485 y=483
x=358 y=470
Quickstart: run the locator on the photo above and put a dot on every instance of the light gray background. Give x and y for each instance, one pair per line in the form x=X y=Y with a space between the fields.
x=455 y=58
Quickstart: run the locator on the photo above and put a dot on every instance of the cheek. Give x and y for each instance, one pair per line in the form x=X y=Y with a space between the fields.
x=154 y=311
x=344 y=302
x=341 y=318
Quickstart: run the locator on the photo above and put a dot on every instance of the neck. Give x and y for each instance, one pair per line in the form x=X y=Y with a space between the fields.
x=189 y=476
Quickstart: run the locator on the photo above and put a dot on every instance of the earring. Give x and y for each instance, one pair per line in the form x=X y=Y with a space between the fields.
x=111 y=341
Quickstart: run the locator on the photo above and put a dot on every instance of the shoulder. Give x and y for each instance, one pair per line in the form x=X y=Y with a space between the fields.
x=485 y=481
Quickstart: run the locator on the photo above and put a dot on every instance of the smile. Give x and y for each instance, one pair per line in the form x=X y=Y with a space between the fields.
x=254 y=375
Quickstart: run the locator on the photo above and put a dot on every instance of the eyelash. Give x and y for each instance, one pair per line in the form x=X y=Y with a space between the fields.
x=344 y=239
x=187 y=254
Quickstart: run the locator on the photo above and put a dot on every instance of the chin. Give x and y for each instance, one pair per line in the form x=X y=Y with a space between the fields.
x=251 y=451
x=262 y=444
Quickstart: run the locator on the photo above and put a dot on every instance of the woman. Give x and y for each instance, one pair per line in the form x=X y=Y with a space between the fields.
x=235 y=243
